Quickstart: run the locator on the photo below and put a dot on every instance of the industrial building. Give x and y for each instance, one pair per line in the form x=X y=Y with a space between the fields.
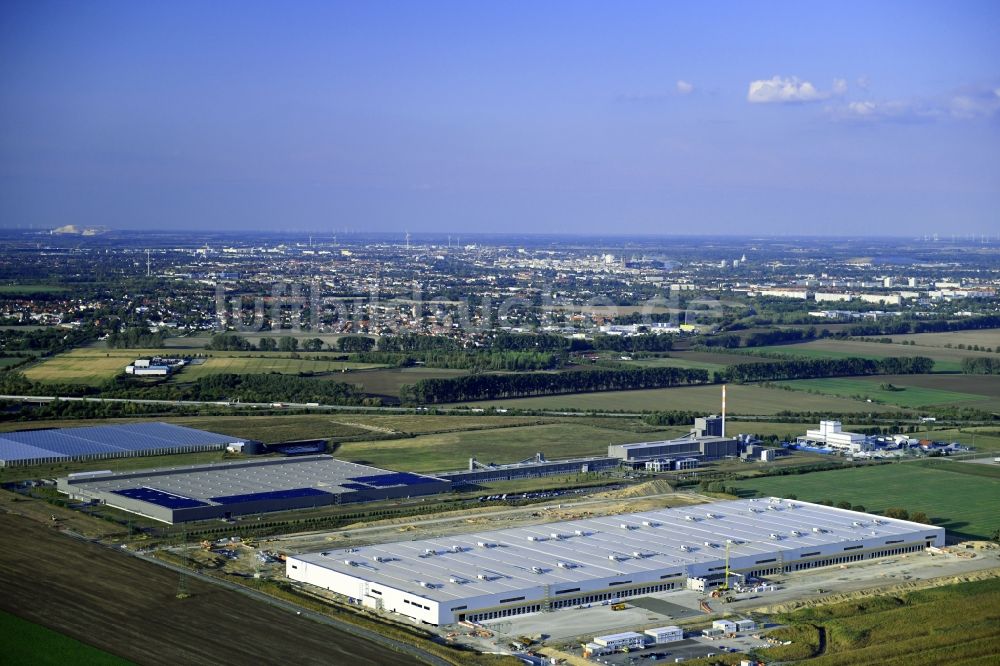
x=706 y=448
x=57 y=445
x=832 y=435
x=531 y=468
x=222 y=490
x=486 y=575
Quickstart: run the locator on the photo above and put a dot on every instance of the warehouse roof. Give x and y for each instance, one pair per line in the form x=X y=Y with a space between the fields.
x=246 y=481
x=563 y=553
x=103 y=440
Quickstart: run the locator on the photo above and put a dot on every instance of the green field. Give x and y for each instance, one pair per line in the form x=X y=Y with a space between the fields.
x=945 y=360
x=987 y=337
x=742 y=399
x=386 y=382
x=93 y=365
x=956 y=498
x=905 y=395
x=22 y=289
x=30 y=643
x=446 y=451
x=952 y=624
x=281 y=365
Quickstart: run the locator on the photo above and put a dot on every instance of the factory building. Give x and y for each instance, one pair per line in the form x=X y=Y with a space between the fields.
x=532 y=468
x=495 y=574
x=59 y=445
x=832 y=435
x=223 y=490
x=707 y=448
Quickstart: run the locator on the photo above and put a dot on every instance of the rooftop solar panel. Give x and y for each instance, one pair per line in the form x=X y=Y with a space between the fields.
x=394 y=479
x=270 y=495
x=159 y=497
x=13 y=451
x=104 y=440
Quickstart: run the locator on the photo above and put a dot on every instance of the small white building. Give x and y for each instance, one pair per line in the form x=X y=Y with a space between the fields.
x=627 y=639
x=746 y=625
x=727 y=626
x=147 y=370
x=666 y=634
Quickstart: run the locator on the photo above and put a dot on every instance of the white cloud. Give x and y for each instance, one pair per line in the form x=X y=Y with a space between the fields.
x=968 y=103
x=864 y=82
x=684 y=87
x=783 y=90
x=839 y=86
x=893 y=110
x=979 y=102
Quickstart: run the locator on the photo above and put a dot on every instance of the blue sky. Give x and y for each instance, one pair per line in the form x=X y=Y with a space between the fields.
x=628 y=117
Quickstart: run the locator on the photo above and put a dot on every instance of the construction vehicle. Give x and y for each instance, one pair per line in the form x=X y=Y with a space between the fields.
x=618 y=607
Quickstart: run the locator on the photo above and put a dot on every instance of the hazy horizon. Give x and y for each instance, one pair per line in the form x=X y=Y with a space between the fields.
x=626 y=119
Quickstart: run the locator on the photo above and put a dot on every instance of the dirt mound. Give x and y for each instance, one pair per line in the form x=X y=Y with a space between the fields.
x=655 y=487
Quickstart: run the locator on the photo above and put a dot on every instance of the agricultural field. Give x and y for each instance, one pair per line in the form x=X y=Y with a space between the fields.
x=945 y=360
x=24 y=289
x=256 y=365
x=386 y=382
x=742 y=399
x=961 y=500
x=30 y=643
x=905 y=392
x=987 y=337
x=914 y=627
x=94 y=365
x=131 y=608
x=451 y=451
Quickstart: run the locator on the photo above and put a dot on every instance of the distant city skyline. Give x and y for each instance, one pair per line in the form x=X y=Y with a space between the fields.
x=642 y=118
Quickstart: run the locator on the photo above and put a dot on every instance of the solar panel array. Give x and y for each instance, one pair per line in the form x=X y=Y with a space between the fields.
x=270 y=495
x=92 y=441
x=159 y=497
x=393 y=479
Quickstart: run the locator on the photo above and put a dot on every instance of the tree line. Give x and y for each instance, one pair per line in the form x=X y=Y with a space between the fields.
x=467 y=360
x=490 y=387
x=981 y=366
x=823 y=367
x=138 y=337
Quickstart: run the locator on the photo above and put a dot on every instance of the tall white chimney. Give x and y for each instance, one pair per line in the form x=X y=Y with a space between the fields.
x=723 y=410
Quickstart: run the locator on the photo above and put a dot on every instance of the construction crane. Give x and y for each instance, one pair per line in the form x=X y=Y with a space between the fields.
x=725 y=583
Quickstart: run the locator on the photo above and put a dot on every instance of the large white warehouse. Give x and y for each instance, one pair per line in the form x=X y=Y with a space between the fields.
x=486 y=575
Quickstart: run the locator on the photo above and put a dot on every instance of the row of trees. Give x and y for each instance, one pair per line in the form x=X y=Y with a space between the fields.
x=136 y=338
x=764 y=338
x=285 y=343
x=824 y=367
x=480 y=361
x=489 y=387
x=981 y=366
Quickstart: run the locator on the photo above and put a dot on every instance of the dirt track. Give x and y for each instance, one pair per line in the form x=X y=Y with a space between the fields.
x=130 y=608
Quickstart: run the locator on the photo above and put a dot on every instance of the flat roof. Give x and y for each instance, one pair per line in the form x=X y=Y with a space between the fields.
x=244 y=481
x=103 y=440
x=527 y=557
x=679 y=440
